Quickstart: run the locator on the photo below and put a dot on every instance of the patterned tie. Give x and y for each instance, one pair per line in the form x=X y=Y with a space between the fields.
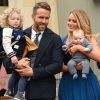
x=36 y=39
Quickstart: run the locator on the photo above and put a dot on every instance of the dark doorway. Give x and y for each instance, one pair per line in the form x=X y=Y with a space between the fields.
x=3 y=2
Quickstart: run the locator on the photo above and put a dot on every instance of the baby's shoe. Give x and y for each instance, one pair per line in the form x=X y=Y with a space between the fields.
x=75 y=76
x=84 y=76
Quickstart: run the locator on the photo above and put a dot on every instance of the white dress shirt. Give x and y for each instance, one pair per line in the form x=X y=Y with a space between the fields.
x=33 y=36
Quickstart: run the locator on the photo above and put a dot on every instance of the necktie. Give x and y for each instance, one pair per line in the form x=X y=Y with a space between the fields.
x=36 y=39
x=33 y=54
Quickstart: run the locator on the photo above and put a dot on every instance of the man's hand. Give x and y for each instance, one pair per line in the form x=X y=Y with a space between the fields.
x=27 y=71
x=22 y=63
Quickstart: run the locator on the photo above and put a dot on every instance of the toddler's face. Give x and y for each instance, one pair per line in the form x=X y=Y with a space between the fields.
x=14 y=19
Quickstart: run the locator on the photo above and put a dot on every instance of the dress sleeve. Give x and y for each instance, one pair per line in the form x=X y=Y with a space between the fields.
x=63 y=38
x=67 y=56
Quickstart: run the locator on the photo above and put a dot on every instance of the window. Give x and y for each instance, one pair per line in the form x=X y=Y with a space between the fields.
x=3 y=2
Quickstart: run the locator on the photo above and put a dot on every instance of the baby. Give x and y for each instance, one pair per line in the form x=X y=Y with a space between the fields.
x=79 y=39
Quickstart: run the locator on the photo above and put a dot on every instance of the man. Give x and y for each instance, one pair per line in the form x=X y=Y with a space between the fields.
x=48 y=61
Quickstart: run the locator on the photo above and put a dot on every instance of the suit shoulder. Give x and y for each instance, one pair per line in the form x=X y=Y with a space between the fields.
x=52 y=32
x=27 y=30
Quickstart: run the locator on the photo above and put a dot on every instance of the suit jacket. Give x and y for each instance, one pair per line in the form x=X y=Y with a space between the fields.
x=48 y=62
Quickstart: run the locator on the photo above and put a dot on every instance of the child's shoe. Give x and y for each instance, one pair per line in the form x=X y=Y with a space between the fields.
x=19 y=96
x=8 y=93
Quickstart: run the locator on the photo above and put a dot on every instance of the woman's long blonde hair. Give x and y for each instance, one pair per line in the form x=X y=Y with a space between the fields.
x=6 y=14
x=83 y=22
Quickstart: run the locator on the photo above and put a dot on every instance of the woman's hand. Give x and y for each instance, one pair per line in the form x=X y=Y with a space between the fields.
x=73 y=49
x=78 y=67
x=64 y=68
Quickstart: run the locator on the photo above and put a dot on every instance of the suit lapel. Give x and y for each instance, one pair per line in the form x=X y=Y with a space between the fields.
x=28 y=32
x=45 y=41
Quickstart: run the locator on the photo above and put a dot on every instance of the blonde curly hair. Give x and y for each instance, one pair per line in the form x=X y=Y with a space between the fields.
x=6 y=14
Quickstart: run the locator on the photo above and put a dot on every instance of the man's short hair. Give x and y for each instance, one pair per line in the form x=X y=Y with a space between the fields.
x=43 y=5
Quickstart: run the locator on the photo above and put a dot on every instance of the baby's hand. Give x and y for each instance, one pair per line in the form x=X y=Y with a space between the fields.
x=14 y=60
x=64 y=47
x=87 y=50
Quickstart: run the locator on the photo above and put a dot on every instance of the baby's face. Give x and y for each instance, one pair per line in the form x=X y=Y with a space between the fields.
x=78 y=40
x=78 y=37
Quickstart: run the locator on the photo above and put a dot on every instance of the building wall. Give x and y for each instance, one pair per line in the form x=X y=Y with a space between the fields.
x=26 y=7
x=92 y=7
x=2 y=9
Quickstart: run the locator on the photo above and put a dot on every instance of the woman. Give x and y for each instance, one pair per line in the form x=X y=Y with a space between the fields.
x=79 y=89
